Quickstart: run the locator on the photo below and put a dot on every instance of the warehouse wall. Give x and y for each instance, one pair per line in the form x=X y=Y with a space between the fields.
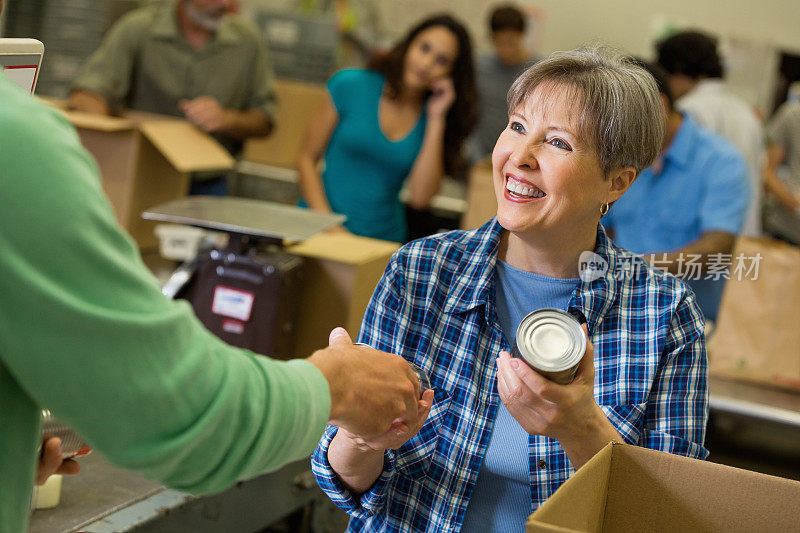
x=628 y=24
x=752 y=31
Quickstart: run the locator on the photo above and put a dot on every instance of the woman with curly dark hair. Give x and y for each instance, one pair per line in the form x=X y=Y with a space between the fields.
x=401 y=121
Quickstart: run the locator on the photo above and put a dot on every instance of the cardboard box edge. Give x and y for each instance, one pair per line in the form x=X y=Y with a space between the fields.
x=606 y=456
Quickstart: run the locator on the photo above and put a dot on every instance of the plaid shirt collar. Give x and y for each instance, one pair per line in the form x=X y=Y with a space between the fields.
x=592 y=297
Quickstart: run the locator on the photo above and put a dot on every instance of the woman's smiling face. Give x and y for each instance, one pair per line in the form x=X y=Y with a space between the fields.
x=546 y=174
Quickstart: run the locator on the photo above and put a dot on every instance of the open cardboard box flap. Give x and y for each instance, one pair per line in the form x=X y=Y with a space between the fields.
x=344 y=248
x=185 y=147
x=93 y=121
x=627 y=488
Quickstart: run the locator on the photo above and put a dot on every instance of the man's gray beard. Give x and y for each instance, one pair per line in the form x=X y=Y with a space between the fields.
x=201 y=19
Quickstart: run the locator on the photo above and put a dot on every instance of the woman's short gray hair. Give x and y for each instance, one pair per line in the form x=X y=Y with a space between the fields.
x=620 y=112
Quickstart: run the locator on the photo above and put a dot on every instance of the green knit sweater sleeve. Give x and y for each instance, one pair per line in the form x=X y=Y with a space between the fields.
x=85 y=331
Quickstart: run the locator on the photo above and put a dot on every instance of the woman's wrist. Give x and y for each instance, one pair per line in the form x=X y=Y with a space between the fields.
x=352 y=440
x=356 y=466
x=349 y=455
x=437 y=120
x=230 y=120
x=588 y=438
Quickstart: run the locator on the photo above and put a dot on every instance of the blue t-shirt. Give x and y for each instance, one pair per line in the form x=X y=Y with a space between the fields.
x=364 y=171
x=501 y=500
x=702 y=187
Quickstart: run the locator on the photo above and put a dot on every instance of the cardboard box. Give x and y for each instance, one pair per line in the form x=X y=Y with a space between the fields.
x=481 y=200
x=627 y=488
x=340 y=275
x=298 y=102
x=146 y=160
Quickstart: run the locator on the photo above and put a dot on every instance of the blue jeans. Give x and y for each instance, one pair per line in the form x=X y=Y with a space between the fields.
x=210 y=187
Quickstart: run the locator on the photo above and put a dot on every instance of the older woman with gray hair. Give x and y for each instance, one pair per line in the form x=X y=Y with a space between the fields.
x=499 y=437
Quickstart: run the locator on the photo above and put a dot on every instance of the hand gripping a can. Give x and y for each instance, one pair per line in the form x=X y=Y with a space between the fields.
x=356 y=456
x=401 y=430
x=567 y=413
x=372 y=392
x=60 y=445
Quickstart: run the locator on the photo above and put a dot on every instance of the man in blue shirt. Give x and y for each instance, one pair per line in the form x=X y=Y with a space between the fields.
x=685 y=210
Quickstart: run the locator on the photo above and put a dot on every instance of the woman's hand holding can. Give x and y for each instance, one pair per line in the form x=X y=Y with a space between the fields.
x=542 y=406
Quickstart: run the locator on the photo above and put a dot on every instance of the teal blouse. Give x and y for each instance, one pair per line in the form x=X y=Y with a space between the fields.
x=364 y=171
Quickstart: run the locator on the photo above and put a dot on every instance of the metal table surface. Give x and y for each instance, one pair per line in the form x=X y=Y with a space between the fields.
x=755 y=401
x=98 y=490
x=245 y=216
x=105 y=499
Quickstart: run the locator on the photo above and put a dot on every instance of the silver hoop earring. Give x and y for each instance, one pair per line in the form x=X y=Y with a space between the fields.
x=604 y=209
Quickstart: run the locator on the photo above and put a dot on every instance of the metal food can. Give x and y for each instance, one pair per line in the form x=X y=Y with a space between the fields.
x=422 y=376
x=551 y=342
x=72 y=445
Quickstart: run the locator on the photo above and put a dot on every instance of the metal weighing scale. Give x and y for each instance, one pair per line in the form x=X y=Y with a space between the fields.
x=246 y=293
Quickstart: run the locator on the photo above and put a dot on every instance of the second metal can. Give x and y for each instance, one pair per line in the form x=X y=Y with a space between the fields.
x=72 y=445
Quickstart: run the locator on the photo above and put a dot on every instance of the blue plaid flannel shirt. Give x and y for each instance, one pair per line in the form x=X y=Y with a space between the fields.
x=435 y=307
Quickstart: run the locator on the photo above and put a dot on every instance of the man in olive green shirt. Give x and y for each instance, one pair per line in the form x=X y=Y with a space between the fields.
x=86 y=333
x=187 y=58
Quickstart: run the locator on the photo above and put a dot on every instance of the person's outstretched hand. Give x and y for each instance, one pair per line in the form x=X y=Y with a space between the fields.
x=370 y=389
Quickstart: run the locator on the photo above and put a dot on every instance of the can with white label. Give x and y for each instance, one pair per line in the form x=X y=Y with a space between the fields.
x=72 y=445
x=551 y=342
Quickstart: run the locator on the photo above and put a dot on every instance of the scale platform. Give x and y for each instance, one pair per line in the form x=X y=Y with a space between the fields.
x=245 y=216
